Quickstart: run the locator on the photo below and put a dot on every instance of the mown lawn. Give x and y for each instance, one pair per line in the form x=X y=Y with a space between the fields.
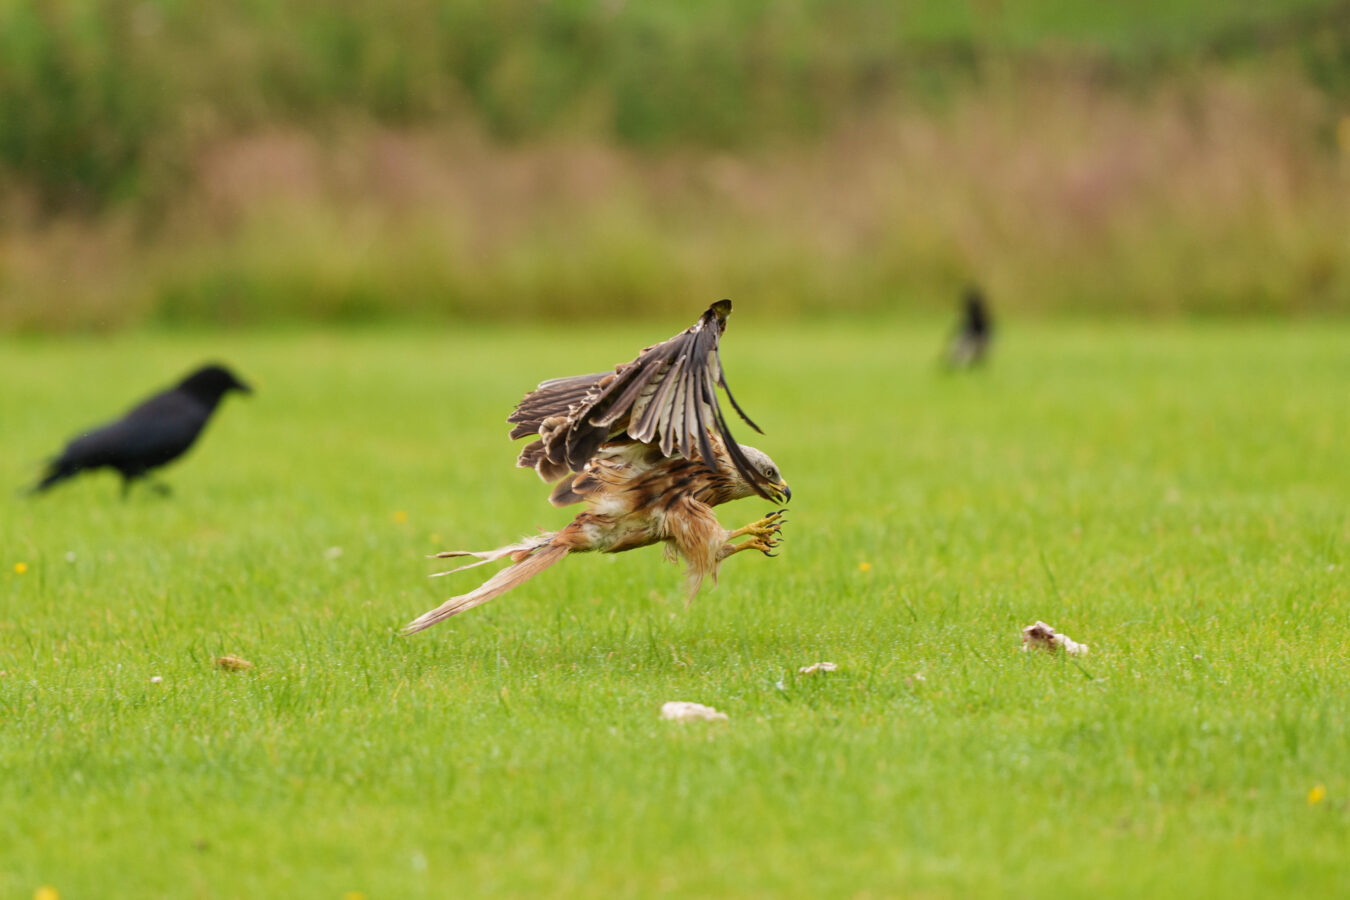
x=1174 y=496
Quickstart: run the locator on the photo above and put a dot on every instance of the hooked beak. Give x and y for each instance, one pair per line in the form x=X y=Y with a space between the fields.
x=783 y=492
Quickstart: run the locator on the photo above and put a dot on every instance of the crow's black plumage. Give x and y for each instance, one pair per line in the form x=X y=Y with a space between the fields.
x=156 y=432
x=970 y=344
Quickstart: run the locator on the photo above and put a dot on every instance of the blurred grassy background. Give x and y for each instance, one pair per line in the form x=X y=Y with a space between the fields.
x=185 y=162
x=1172 y=494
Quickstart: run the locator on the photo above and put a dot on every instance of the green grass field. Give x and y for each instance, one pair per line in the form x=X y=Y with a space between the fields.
x=1173 y=496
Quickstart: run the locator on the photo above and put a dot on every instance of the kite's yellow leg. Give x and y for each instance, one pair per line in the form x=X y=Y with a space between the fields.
x=765 y=535
x=769 y=526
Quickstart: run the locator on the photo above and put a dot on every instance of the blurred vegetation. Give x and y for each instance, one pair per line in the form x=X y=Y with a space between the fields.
x=115 y=117
x=99 y=101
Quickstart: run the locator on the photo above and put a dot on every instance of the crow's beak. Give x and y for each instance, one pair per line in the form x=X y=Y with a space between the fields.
x=242 y=388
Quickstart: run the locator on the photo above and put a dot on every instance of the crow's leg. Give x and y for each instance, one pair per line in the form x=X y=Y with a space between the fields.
x=131 y=477
x=156 y=484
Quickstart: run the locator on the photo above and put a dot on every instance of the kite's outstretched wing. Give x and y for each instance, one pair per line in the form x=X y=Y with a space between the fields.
x=666 y=397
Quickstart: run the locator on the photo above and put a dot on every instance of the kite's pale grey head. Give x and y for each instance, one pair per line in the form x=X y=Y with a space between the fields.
x=772 y=479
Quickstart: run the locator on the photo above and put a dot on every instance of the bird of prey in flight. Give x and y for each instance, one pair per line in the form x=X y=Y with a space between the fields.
x=646 y=447
x=156 y=432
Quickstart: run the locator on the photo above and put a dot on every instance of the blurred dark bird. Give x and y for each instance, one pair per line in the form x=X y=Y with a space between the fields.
x=970 y=344
x=646 y=447
x=156 y=432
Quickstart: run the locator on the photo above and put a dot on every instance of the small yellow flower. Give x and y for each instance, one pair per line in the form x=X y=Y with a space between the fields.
x=20 y=568
x=1317 y=794
x=46 y=892
x=353 y=895
x=400 y=516
x=864 y=567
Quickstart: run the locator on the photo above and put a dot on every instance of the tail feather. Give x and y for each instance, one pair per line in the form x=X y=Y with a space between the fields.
x=57 y=470
x=540 y=558
x=487 y=556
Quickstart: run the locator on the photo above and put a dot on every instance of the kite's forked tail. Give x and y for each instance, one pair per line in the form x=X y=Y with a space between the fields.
x=531 y=556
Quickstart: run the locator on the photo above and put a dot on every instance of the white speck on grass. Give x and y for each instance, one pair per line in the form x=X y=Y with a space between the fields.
x=419 y=862
x=684 y=711
x=332 y=553
x=70 y=556
x=817 y=667
x=155 y=679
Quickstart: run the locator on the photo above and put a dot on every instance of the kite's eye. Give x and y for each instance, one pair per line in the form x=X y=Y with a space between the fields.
x=771 y=473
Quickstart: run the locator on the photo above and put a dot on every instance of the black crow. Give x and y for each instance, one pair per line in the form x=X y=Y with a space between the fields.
x=156 y=432
x=971 y=341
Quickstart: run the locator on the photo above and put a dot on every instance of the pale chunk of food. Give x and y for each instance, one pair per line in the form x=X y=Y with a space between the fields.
x=684 y=711
x=1042 y=637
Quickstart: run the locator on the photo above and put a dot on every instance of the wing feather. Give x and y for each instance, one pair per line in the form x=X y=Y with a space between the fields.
x=614 y=406
x=643 y=403
x=554 y=397
x=666 y=397
x=674 y=424
x=736 y=406
x=706 y=400
x=664 y=409
x=693 y=400
x=647 y=411
x=738 y=460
